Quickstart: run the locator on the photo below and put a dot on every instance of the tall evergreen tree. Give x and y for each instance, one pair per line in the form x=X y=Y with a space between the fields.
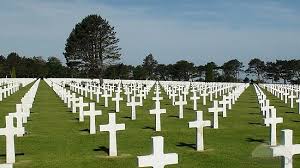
x=91 y=46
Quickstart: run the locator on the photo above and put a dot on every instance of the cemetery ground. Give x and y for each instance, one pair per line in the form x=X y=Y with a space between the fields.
x=56 y=139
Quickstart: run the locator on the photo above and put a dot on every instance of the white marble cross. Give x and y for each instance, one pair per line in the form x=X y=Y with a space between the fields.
x=74 y=101
x=224 y=103
x=215 y=110
x=112 y=128
x=273 y=121
x=204 y=94
x=157 y=111
x=287 y=149
x=266 y=107
x=117 y=99
x=19 y=116
x=133 y=104
x=292 y=96
x=6 y=165
x=180 y=103
x=173 y=95
x=9 y=131
x=105 y=95
x=195 y=98
x=81 y=105
x=158 y=159
x=286 y=94
x=92 y=113
x=199 y=124
x=97 y=93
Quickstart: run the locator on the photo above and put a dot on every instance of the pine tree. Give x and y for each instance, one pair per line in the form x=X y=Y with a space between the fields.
x=91 y=46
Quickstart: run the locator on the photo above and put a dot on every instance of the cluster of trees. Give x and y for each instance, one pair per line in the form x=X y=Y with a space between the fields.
x=29 y=67
x=279 y=71
x=92 y=49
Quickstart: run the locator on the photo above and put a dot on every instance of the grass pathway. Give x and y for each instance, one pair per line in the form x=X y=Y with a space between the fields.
x=56 y=139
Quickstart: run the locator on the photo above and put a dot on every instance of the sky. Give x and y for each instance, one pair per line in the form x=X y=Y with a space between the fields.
x=199 y=31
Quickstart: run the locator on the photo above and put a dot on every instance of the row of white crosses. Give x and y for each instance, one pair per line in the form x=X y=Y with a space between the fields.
x=287 y=149
x=269 y=113
x=158 y=159
x=8 y=88
x=112 y=127
x=285 y=92
x=21 y=115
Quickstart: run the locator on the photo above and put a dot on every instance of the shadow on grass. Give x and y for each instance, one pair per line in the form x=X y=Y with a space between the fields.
x=126 y=117
x=147 y=127
x=85 y=130
x=17 y=154
x=255 y=140
x=103 y=149
x=254 y=113
x=289 y=112
x=296 y=121
x=255 y=123
x=189 y=145
x=173 y=116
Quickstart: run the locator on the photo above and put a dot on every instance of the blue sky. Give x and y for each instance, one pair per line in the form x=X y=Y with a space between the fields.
x=194 y=30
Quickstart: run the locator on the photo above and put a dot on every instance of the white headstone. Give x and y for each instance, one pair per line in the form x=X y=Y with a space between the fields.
x=215 y=110
x=9 y=131
x=92 y=113
x=287 y=149
x=157 y=111
x=112 y=128
x=199 y=124
x=133 y=104
x=81 y=105
x=158 y=159
x=273 y=121
x=180 y=103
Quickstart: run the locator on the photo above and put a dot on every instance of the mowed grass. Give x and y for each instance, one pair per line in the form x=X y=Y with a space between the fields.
x=56 y=139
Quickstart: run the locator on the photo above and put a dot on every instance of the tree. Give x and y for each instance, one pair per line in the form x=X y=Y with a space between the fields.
x=149 y=65
x=139 y=73
x=118 y=71
x=55 y=68
x=3 y=67
x=257 y=67
x=284 y=69
x=231 y=70
x=162 y=72
x=210 y=74
x=200 y=72
x=12 y=61
x=272 y=72
x=91 y=46
x=183 y=70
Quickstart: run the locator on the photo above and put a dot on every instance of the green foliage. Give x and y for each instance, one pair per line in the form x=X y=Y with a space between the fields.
x=257 y=67
x=183 y=70
x=92 y=45
x=13 y=72
x=149 y=66
x=231 y=70
x=210 y=72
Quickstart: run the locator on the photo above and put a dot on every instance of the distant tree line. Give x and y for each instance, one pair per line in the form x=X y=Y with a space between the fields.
x=31 y=67
x=283 y=71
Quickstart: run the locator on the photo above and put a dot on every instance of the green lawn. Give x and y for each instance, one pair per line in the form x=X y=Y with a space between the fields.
x=57 y=140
